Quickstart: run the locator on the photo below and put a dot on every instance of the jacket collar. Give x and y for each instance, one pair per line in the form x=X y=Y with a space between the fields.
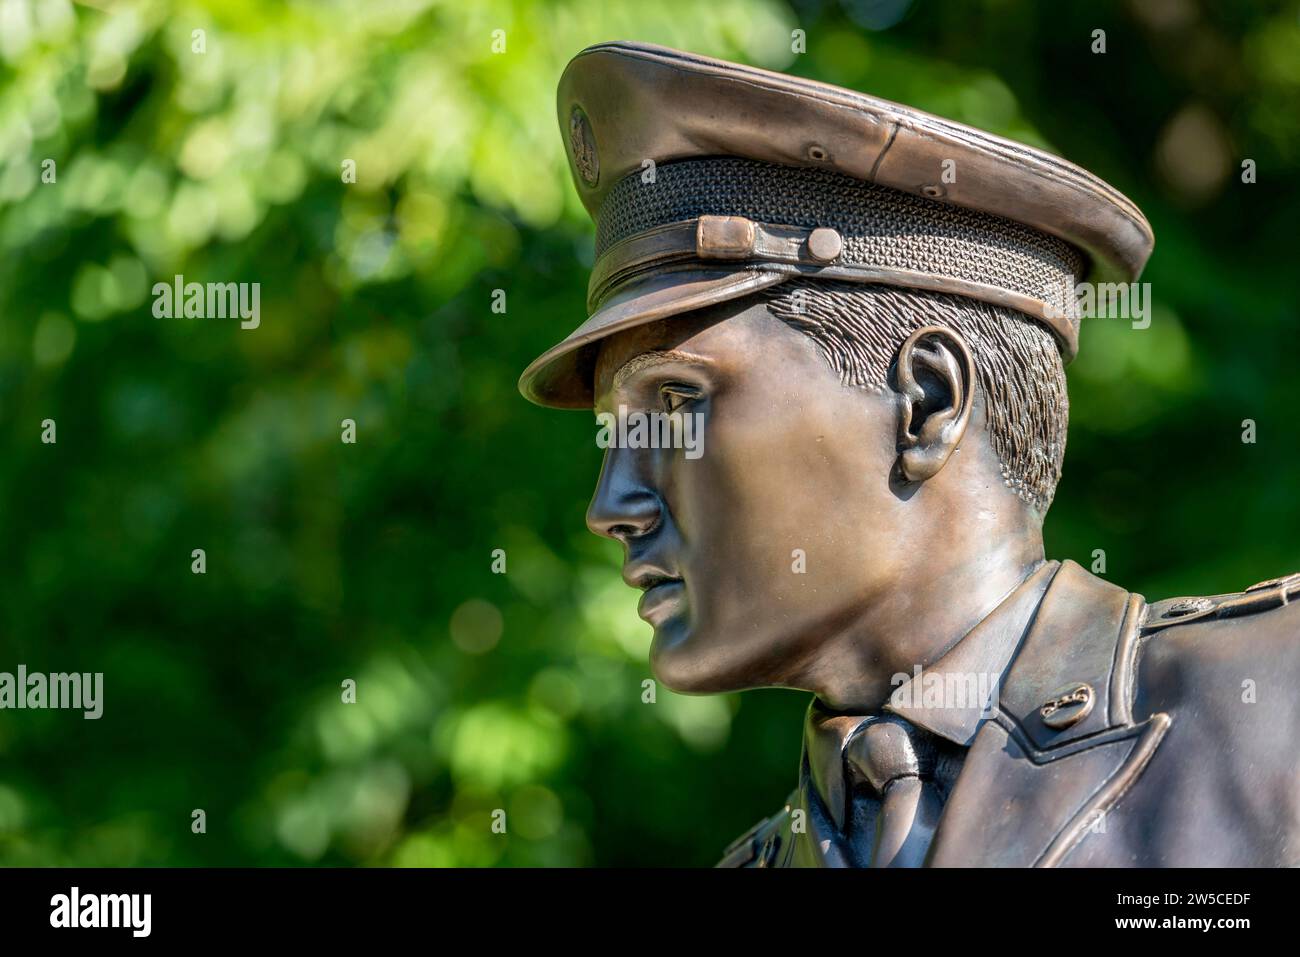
x=1028 y=792
x=1031 y=787
x=981 y=656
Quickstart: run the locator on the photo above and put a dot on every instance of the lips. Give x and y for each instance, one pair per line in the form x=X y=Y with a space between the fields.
x=661 y=600
x=663 y=590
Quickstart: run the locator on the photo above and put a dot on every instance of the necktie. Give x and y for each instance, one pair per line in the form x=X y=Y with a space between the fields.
x=900 y=766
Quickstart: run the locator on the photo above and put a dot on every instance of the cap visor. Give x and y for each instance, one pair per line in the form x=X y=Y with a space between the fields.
x=561 y=378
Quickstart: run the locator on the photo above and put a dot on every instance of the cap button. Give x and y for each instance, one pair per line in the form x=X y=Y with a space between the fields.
x=824 y=244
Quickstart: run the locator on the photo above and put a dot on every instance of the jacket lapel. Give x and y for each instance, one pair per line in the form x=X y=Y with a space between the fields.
x=1032 y=787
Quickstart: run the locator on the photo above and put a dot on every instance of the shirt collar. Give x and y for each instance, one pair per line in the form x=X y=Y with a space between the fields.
x=987 y=648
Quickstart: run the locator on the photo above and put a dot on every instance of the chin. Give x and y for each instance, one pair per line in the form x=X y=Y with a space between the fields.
x=679 y=661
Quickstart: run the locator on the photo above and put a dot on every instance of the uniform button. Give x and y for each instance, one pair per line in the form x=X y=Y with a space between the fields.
x=1188 y=606
x=824 y=244
x=1068 y=706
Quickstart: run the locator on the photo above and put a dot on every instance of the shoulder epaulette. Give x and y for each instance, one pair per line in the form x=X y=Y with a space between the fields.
x=1264 y=596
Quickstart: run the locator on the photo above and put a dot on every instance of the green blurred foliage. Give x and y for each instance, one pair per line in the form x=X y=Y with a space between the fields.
x=372 y=562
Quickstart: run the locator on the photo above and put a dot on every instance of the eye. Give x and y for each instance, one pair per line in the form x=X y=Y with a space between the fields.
x=674 y=395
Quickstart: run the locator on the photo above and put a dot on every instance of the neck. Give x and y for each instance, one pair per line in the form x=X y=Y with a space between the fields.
x=919 y=621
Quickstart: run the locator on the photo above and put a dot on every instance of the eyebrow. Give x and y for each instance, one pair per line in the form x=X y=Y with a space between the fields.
x=646 y=360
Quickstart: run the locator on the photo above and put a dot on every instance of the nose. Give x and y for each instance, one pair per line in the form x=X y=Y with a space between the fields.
x=624 y=506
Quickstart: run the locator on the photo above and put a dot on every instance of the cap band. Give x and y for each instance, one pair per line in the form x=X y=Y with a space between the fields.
x=824 y=224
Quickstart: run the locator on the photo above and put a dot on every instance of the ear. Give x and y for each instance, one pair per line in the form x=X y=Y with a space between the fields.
x=936 y=386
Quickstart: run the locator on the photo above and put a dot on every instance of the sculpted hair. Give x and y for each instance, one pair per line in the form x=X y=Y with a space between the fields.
x=859 y=329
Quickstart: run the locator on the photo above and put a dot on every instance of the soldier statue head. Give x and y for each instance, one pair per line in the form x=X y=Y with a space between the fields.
x=873 y=351
x=860 y=315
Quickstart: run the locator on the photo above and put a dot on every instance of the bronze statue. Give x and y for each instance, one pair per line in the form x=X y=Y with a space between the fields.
x=868 y=311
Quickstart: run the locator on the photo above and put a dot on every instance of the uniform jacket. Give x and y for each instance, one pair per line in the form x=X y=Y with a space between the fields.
x=1186 y=756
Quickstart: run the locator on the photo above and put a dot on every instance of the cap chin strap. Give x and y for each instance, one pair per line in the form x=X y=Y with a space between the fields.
x=817 y=253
